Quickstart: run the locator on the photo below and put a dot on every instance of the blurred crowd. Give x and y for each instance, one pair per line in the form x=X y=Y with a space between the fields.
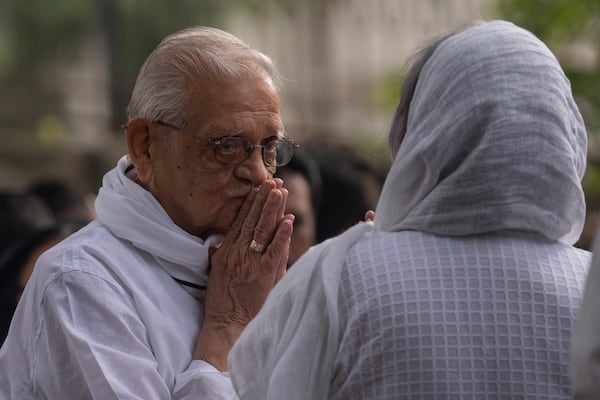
x=33 y=220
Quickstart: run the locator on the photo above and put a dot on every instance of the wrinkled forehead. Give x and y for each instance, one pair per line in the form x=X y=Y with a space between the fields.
x=242 y=104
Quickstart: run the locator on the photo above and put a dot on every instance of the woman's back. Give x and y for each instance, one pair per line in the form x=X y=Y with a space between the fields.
x=466 y=284
x=489 y=316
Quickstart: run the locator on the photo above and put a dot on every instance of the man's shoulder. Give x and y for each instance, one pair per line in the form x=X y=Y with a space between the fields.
x=91 y=249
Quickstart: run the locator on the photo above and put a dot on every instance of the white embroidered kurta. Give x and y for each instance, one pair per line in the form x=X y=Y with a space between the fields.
x=466 y=285
x=103 y=318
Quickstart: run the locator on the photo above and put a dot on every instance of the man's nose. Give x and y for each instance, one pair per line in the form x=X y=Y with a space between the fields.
x=253 y=168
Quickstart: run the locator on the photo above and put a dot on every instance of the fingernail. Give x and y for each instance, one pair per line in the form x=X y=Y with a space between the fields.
x=273 y=198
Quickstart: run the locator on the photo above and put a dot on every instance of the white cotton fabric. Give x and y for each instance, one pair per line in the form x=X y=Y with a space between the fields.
x=288 y=350
x=102 y=316
x=149 y=228
x=466 y=285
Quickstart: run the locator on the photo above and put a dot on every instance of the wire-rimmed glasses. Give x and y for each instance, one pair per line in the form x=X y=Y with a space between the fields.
x=235 y=149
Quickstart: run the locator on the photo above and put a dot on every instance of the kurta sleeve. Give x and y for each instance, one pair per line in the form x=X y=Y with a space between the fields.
x=92 y=344
x=203 y=381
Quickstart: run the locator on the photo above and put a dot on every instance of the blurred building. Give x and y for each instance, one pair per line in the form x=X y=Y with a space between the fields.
x=337 y=57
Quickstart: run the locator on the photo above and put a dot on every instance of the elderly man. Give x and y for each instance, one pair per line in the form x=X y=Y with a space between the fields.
x=191 y=235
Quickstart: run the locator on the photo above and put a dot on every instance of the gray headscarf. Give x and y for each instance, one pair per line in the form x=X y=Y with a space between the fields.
x=494 y=141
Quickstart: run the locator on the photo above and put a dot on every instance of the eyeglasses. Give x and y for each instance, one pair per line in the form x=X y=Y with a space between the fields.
x=235 y=150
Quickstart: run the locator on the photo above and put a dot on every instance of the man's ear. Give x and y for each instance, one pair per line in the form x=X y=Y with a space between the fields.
x=137 y=136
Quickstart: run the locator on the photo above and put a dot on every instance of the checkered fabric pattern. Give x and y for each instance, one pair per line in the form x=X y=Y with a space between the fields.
x=428 y=317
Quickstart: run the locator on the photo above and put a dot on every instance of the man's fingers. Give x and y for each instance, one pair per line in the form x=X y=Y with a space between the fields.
x=254 y=214
x=283 y=266
x=278 y=182
x=285 y=193
x=278 y=250
x=269 y=217
x=234 y=232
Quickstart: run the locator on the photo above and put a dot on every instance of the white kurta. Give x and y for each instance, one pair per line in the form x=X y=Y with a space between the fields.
x=104 y=318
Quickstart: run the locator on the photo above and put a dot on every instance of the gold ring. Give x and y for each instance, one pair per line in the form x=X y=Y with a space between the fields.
x=257 y=247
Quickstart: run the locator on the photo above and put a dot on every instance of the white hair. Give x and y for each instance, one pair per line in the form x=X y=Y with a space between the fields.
x=167 y=78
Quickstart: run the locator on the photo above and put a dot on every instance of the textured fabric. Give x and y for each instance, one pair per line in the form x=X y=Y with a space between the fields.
x=131 y=213
x=430 y=317
x=586 y=337
x=294 y=339
x=101 y=318
x=494 y=141
x=419 y=316
x=465 y=287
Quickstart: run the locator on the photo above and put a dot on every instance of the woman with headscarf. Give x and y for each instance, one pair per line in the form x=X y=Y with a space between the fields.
x=466 y=284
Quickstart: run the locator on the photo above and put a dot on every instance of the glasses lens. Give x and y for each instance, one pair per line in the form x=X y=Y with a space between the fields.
x=276 y=153
x=285 y=151
x=231 y=150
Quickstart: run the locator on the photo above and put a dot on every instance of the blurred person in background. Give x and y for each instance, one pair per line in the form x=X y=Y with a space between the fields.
x=466 y=284
x=302 y=180
x=68 y=204
x=590 y=229
x=146 y=301
x=27 y=228
x=351 y=186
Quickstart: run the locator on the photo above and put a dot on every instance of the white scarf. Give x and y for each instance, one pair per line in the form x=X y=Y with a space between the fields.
x=132 y=213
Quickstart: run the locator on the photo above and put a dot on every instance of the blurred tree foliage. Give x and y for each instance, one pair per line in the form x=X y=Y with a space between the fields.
x=571 y=29
x=32 y=33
